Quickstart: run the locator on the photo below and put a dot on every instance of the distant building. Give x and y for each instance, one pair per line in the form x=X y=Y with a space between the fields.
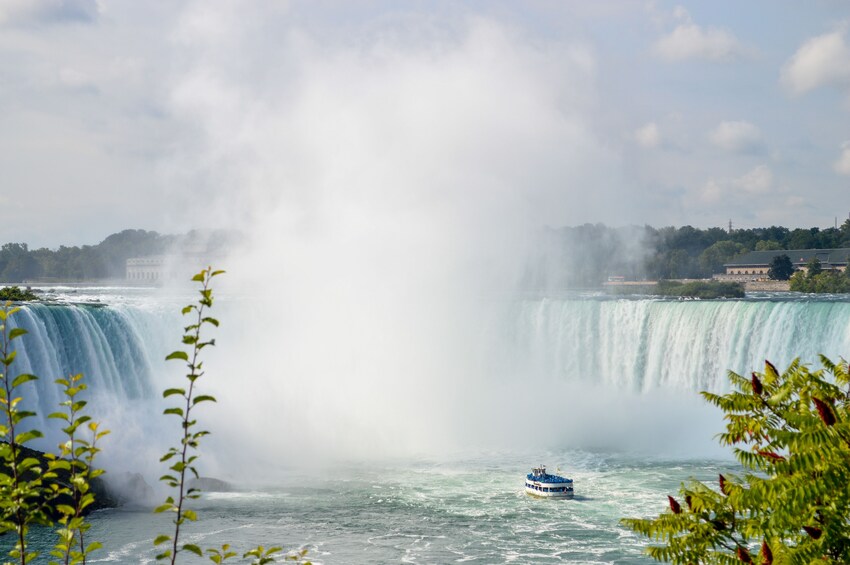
x=146 y=269
x=756 y=264
x=156 y=269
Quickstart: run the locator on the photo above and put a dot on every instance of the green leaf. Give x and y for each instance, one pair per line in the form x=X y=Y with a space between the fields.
x=170 y=391
x=28 y=436
x=193 y=548
x=178 y=355
x=23 y=378
x=203 y=398
x=161 y=539
x=16 y=332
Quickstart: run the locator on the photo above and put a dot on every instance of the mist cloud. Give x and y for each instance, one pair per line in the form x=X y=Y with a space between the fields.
x=389 y=188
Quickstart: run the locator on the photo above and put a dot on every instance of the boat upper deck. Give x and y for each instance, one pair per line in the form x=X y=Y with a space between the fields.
x=547 y=478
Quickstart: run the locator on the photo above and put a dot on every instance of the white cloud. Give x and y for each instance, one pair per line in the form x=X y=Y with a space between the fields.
x=821 y=61
x=842 y=165
x=757 y=181
x=691 y=41
x=648 y=136
x=736 y=136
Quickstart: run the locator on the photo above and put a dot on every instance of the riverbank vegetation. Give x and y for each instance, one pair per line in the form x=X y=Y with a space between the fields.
x=568 y=257
x=16 y=294
x=790 y=432
x=585 y=256
x=699 y=289
x=107 y=259
x=817 y=280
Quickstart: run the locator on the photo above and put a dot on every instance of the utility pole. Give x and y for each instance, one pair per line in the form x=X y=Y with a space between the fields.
x=730 y=225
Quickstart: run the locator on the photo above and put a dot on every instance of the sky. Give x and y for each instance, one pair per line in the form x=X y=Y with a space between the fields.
x=181 y=114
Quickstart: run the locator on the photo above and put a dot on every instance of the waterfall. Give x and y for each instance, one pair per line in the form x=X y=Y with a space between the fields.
x=645 y=344
x=619 y=348
x=115 y=347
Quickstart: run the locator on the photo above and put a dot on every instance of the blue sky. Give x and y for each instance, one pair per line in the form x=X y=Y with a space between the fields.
x=171 y=115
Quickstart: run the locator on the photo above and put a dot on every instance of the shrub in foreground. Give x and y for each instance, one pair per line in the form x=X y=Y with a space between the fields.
x=790 y=431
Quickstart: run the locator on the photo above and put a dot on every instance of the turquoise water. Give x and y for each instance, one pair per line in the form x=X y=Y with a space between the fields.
x=459 y=511
x=603 y=387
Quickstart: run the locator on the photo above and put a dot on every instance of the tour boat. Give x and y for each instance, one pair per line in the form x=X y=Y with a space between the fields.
x=540 y=483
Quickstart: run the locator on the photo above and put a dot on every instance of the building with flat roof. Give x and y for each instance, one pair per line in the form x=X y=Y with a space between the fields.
x=755 y=264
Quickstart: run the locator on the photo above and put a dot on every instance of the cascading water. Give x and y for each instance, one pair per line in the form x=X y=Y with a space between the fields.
x=114 y=347
x=646 y=344
x=441 y=510
x=626 y=344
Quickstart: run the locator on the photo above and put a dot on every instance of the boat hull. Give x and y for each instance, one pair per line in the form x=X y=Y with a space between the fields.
x=548 y=490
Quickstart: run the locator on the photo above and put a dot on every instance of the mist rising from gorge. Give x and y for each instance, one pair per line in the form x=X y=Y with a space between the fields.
x=391 y=188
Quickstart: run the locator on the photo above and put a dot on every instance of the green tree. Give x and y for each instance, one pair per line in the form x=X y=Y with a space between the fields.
x=768 y=245
x=800 y=283
x=781 y=268
x=813 y=268
x=791 y=434
x=715 y=256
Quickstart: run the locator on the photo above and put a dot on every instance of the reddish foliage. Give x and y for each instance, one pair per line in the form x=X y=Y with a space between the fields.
x=766 y=554
x=825 y=411
x=757 y=386
x=722 y=481
x=743 y=555
x=815 y=533
x=772 y=454
x=674 y=506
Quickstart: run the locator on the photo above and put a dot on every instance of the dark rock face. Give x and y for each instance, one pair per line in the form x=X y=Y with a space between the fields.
x=209 y=484
x=127 y=488
x=108 y=493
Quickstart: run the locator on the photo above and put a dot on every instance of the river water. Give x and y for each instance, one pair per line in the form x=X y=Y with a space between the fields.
x=645 y=358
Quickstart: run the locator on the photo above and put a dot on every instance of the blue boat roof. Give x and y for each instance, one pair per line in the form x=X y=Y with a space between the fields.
x=547 y=478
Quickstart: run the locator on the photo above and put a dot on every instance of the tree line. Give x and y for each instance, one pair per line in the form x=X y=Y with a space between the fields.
x=586 y=255
x=106 y=260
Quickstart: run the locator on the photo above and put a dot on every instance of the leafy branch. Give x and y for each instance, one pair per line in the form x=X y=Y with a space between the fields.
x=790 y=431
x=184 y=452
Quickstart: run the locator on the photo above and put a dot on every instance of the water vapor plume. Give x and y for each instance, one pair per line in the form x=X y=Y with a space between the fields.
x=389 y=183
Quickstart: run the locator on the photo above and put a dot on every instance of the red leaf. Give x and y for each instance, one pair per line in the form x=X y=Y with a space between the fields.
x=674 y=506
x=722 y=481
x=815 y=533
x=743 y=555
x=773 y=455
x=757 y=386
x=766 y=554
x=688 y=502
x=825 y=411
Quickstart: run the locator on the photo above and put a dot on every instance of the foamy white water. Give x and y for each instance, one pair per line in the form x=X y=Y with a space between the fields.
x=623 y=375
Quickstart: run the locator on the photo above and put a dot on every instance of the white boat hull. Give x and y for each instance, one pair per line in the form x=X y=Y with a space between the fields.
x=549 y=490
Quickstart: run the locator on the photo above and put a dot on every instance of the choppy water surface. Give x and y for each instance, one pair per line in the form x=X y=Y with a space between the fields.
x=463 y=511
